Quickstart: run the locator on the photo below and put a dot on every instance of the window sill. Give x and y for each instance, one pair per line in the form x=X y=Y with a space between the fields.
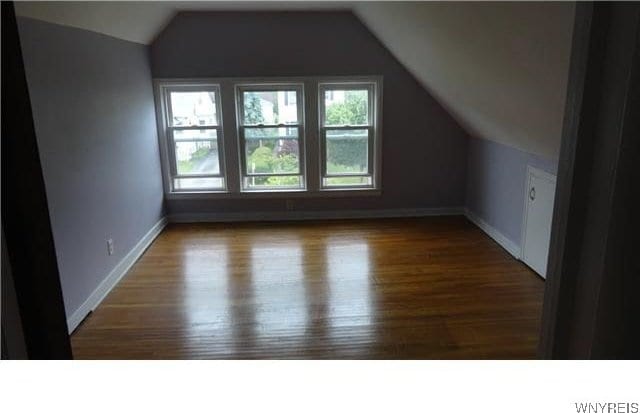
x=285 y=194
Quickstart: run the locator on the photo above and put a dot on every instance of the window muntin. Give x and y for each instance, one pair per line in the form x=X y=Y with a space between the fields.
x=194 y=137
x=271 y=136
x=347 y=134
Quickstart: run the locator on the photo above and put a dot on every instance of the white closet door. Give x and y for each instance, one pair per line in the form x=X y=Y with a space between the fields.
x=540 y=193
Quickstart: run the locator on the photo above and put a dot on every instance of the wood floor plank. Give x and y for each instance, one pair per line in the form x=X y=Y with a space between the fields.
x=416 y=288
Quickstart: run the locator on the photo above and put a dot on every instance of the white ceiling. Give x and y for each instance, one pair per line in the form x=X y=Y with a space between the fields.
x=500 y=68
x=141 y=21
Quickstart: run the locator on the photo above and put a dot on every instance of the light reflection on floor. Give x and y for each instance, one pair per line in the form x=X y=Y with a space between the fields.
x=270 y=298
x=207 y=298
x=279 y=289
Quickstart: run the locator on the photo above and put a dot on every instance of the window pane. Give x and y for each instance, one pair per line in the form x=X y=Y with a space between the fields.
x=193 y=109
x=270 y=107
x=346 y=107
x=272 y=150
x=272 y=182
x=198 y=184
x=199 y=134
x=197 y=157
x=348 y=181
x=347 y=151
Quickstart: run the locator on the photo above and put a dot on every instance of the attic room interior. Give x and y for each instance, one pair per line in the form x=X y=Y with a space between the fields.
x=319 y=180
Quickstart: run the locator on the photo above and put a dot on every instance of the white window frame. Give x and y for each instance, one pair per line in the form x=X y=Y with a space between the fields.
x=230 y=149
x=242 y=127
x=373 y=86
x=168 y=143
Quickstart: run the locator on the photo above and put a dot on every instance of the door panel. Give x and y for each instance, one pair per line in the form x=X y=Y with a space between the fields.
x=538 y=216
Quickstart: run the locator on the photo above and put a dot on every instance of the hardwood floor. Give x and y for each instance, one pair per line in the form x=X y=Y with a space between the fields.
x=388 y=288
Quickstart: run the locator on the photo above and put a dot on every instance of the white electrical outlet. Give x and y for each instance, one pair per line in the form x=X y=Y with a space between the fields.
x=110 y=246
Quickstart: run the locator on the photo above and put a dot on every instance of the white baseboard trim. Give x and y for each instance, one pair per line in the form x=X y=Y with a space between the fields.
x=511 y=247
x=119 y=271
x=310 y=215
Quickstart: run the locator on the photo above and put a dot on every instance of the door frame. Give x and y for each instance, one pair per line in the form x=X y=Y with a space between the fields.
x=26 y=226
x=589 y=298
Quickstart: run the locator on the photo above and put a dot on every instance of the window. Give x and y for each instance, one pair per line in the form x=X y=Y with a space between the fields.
x=271 y=136
x=194 y=137
x=348 y=134
x=269 y=150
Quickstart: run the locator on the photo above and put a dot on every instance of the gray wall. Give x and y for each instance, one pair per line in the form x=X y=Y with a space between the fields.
x=496 y=178
x=94 y=117
x=424 y=149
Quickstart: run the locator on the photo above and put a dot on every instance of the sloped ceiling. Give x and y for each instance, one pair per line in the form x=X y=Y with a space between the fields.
x=141 y=21
x=500 y=68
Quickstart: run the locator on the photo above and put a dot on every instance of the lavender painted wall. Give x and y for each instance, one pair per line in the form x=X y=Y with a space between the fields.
x=94 y=117
x=496 y=178
x=424 y=149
